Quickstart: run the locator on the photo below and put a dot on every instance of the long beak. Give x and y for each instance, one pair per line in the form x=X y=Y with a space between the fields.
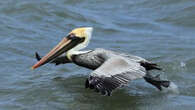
x=65 y=45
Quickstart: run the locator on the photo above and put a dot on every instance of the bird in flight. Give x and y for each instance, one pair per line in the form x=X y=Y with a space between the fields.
x=111 y=69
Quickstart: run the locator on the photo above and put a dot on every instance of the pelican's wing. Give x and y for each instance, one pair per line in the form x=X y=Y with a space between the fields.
x=114 y=73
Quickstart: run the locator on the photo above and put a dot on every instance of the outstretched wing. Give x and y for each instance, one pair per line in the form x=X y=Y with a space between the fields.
x=113 y=73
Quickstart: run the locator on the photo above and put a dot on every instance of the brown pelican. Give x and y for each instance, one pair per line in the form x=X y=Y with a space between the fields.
x=111 y=69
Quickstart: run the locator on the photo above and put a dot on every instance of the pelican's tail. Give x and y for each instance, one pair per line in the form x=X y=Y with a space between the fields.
x=157 y=82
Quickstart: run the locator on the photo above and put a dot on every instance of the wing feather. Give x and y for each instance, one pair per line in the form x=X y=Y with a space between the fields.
x=113 y=73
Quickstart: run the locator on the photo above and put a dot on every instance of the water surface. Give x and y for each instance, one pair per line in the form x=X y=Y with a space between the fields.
x=161 y=31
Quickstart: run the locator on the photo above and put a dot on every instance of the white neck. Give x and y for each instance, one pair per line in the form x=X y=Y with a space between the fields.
x=75 y=52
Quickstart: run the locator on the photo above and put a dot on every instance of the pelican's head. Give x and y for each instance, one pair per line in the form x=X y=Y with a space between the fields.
x=77 y=39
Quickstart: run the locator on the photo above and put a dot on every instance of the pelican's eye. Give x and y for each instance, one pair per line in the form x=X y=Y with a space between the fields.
x=75 y=38
x=71 y=36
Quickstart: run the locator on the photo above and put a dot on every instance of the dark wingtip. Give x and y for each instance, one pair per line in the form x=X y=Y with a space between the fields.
x=150 y=66
x=165 y=84
x=37 y=56
x=157 y=82
x=87 y=83
x=157 y=68
x=99 y=86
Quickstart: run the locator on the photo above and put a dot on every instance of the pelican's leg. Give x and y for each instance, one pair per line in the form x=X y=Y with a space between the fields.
x=156 y=81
